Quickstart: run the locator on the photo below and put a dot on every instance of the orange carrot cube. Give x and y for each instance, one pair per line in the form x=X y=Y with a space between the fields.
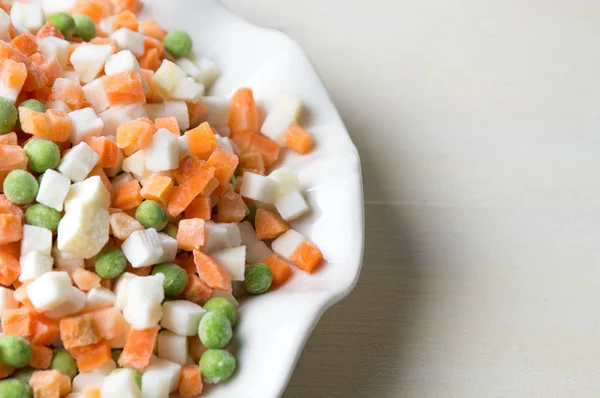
x=124 y=88
x=49 y=30
x=106 y=149
x=46 y=383
x=231 y=208
x=191 y=234
x=197 y=291
x=306 y=256
x=45 y=330
x=91 y=356
x=85 y=280
x=201 y=141
x=150 y=60
x=11 y=229
x=109 y=322
x=243 y=115
x=127 y=196
x=13 y=74
x=95 y=9
x=200 y=207
x=138 y=348
x=135 y=135
x=253 y=162
x=170 y=123
x=9 y=139
x=125 y=19
x=280 y=269
x=79 y=331
x=41 y=357
x=158 y=188
x=196 y=111
x=60 y=126
x=211 y=272
x=26 y=43
x=190 y=381
x=69 y=92
x=125 y=5
x=12 y=157
x=19 y=322
x=224 y=163
x=298 y=139
x=150 y=27
x=249 y=142
x=269 y=225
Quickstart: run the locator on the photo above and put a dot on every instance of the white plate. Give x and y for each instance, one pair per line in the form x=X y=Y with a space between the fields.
x=274 y=327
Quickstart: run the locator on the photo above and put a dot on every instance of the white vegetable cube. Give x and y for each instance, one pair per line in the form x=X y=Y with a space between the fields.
x=291 y=205
x=49 y=290
x=247 y=233
x=147 y=289
x=287 y=180
x=217 y=111
x=28 y=15
x=179 y=110
x=95 y=94
x=188 y=67
x=136 y=164
x=66 y=261
x=160 y=378
x=188 y=90
x=8 y=302
x=121 y=289
x=142 y=315
x=53 y=6
x=220 y=236
x=257 y=252
x=121 y=339
x=154 y=110
x=85 y=379
x=182 y=317
x=257 y=187
x=99 y=297
x=85 y=124
x=90 y=191
x=36 y=239
x=5 y=23
x=88 y=60
x=53 y=47
x=287 y=243
x=125 y=61
x=71 y=75
x=34 y=264
x=209 y=71
x=74 y=303
x=167 y=76
x=169 y=247
x=182 y=143
x=172 y=347
x=285 y=111
x=123 y=225
x=224 y=143
x=83 y=231
x=129 y=40
x=106 y=24
x=120 y=384
x=114 y=116
x=143 y=248
x=53 y=189
x=78 y=162
x=163 y=153
x=233 y=259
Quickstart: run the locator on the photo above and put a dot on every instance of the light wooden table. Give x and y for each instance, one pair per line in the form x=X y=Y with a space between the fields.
x=478 y=125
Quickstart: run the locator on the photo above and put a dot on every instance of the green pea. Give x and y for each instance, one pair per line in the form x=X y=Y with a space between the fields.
x=39 y=179
x=42 y=154
x=222 y=306
x=15 y=351
x=116 y=354
x=178 y=43
x=151 y=215
x=8 y=115
x=251 y=214
x=34 y=105
x=84 y=27
x=110 y=263
x=13 y=388
x=217 y=365
x=233 y=182
x=171 y=230
x=64 y=22
x=137 y=376
x=215 y=330
x=64 y=363
x=176 y=278
x=257 y=278
x=20 y=187
x=23 y=375
x=42 y=216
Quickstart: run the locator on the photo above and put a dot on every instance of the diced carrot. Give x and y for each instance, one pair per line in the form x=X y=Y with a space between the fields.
x=189 y=188
x=200 y=207
x=12 y=157
x=196 y=111
x=13 y=248
x=306 y=256
x=224 y=163
x=170 y=123
x=85 y=280
x=18 y=321
x=95 y=9
x=158 y=188
x=138 y=348
x=53 y=125
x=141 y=271
x=298 y=139
x=191 y=234
x=110 y=322
x=231 y=208
x=127 y=196
x=197 y=291
x=123 y=5
x=60 y=125
x=150 y=60
x=99 y=171
x=6 y=8
x=41 y=357
x=42 y=94
x=124 y=88
x=243 y=116
x=36 y=78
x=5 y=370
x=91 y=356
x=211 y=272
x=269 y=225
x=190 y=381
x=153 y=95
x=65 y=385
x=189 y=166
x=26 y=43
x=45 y=330
x=201 y=141
x=106 y=149
x=46 y=383
x=150 y=43
x=49 y=30
x=135 y=135
x=69 y=92
x=10 y=231
x=280 y=269
x=253 y=162
x=48 y=65
x=13 y=74
x=125 y=19
x=79 y=331
x=9 y=139
x=249 y=142
x=150 y=27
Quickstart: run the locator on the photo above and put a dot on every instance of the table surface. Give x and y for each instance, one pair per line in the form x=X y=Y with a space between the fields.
x=478 y=127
